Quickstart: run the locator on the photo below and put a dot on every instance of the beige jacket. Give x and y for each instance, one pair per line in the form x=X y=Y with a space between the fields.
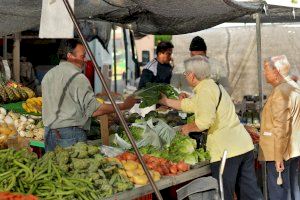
x=280 y=124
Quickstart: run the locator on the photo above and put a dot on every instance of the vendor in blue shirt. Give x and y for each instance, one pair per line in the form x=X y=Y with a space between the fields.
x=159 y=69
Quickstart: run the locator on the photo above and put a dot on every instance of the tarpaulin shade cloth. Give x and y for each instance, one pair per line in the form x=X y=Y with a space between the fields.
x=143 y=16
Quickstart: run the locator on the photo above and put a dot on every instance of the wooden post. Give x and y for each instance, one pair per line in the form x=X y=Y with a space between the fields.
x=16 y=57
x=5 y=48
x=104 y=129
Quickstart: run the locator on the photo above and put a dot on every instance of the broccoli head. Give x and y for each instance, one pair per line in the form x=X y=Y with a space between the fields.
x=92 y=150
x=80 y=164
x=94 y=165
x=94 y=176
x=62 y=157
x=122 y=186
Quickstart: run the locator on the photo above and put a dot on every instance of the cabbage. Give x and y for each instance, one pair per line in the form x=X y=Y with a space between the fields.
x=186 y=147
x=202 y=155
x=191 y=159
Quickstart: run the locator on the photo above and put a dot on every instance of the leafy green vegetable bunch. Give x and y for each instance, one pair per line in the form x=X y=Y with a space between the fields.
x=151 y=93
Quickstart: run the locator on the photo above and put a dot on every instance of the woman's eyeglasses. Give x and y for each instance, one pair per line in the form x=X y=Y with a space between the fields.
x=186 y=73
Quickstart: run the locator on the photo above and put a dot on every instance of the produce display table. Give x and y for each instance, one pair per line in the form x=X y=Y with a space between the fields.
x=103 y=120
x=165 y=182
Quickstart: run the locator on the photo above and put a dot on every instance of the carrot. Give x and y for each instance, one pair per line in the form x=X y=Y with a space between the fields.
x=146 y=157
x=165 y=169
x=152 y=159
x=131 y=156
x=159 y=170
x=181 y=166
x=173 y=169
x=119 y=157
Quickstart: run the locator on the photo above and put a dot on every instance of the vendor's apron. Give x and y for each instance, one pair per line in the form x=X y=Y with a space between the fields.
x=63 y=137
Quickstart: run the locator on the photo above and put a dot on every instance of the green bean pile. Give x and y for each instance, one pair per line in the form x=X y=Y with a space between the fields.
x=62 y=174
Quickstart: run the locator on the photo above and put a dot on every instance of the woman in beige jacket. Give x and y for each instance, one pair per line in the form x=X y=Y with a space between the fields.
x=279 y=141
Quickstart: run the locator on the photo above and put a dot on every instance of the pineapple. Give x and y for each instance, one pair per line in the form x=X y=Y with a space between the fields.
x=16 y=92
x=3 y=94
x=11 y=91
x=23 y=94
x=11 y=95
x=30 y=92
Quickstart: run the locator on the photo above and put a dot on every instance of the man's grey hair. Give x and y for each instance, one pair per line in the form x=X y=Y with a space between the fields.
x=199 y=65
x=280 y=63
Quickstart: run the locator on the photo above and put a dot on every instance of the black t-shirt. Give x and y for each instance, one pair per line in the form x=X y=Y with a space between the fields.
x=156 y=72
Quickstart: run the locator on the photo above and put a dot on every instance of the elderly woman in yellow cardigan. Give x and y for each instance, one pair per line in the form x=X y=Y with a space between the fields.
x=225 y=132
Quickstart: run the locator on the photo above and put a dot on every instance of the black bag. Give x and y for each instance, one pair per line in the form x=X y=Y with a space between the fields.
x=201 y=137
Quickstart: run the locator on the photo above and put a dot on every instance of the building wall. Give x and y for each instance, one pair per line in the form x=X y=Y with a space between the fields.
x=145 y=44
x=235 y=48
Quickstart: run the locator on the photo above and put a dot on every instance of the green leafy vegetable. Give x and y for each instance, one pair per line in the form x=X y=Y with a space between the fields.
x=137 y=133
x=151 y=93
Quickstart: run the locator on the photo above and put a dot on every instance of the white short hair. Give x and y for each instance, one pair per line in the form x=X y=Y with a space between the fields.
x=281 y=64
x=199 y=65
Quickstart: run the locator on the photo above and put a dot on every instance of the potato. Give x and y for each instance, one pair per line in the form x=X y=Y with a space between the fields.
x=140 y=180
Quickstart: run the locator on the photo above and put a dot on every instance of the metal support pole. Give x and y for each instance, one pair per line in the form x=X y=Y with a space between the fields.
x=259 y=63
x=16 y=57
x=126 y=54
x=221 y=172
x=115 y=58
x=261 y=95
x=5 y=48
x=127 y=131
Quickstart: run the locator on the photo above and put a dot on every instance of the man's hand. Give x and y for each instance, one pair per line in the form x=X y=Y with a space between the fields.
x=129 y=102
x=279 y=166
x=185 y=129
x=183 y=95
x=163 y=99
x=191 y=127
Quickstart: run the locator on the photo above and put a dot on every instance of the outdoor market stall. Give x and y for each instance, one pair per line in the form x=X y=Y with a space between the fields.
x=177 y=25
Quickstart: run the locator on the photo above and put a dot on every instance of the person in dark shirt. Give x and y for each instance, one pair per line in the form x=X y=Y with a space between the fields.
x=159 y=69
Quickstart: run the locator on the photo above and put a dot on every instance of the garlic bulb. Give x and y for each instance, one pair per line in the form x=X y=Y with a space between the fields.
x=13 y=115
x=29 y=134
x=2 y=116
x=17 y=123
x=3 y=111
x=8 y=120
x=31 y=121
x=23 y=118
x=22 y=133
x=30 y=126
